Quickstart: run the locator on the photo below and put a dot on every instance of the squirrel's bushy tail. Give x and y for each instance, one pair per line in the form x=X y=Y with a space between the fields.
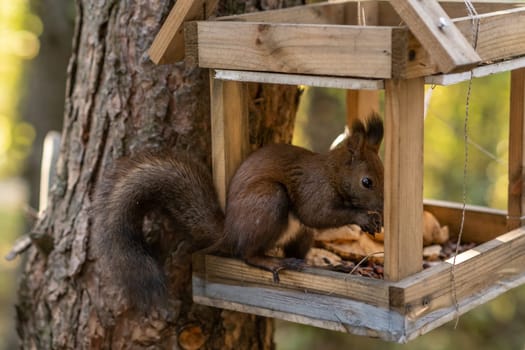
x=176 y=185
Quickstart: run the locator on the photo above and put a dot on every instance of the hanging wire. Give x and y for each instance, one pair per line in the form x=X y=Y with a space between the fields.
x=475 y=31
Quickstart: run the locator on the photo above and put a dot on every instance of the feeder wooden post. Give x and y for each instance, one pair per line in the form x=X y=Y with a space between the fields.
x=360 y=103
x=404 y=107
x=229 y=129
x=516 y=195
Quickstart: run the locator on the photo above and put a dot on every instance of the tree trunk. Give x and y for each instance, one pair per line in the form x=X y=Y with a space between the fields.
x=118 y=103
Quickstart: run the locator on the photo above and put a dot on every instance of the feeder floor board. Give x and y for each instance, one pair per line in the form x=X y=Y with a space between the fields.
x=393 y=311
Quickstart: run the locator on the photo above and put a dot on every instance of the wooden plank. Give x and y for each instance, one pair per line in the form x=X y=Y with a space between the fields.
x=168 y=46
x=454 y=9
x=292 y=48
x=478 y=72
x=516 y=193
x=350 y=12
x=320 y=13
x=362 y=13
x=475 y=270
x=501 y=34
x=425 y=323
x=320 y=310
x=329 y=312
x=481 y=224
x=299 y=79
x=310 y=280
x=446 y=44
x=342 y=314
x=411 y=59
x=360 y=103
x=229 y=127
x=403 y=216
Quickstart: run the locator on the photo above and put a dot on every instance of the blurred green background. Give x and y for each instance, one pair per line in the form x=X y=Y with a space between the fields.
x=19 y=31
x=34 y=49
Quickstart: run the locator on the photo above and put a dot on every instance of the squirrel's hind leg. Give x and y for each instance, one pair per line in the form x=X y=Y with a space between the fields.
x=300 y=245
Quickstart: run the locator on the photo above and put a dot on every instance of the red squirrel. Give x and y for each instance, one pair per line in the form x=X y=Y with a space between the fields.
x=272 y=189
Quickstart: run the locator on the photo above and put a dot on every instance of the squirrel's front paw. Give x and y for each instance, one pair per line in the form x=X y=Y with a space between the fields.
x=374 y=224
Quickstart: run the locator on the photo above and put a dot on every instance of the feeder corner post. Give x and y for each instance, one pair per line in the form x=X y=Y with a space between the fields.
x=516 y=195
x=403 y=216
x=230 y=130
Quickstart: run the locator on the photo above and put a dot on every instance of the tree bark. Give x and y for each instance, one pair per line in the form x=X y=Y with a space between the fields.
x=117 y=104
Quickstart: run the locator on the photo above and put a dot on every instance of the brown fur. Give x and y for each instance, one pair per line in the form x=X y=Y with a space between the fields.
x=271 y=187
x=321 y=190
x=177 y=185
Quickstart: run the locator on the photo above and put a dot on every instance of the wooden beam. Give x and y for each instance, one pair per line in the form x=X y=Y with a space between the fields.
x=439 y=316
x=351 y=12
x=478 y=72
x=320 y=13
x=299 y=79
x=476 y=269
x=168 y=46
x=229 y=127
x=481 y=224
x=320 y=310
x=309 y=280
x=360 y=103
x=501 y=34
x=516 y=192
x=292 y=48
x=404 y=108
x=436 y=32
x=454 y=9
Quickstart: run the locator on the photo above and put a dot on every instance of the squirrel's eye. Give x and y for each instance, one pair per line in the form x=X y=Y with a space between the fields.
x=366 y=182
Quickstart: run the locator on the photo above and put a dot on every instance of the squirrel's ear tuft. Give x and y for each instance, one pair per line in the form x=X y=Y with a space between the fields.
x=368 y=134
x=374 y=131
x=357 y=137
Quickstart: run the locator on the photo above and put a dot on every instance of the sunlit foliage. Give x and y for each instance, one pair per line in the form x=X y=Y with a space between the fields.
x=19 y=31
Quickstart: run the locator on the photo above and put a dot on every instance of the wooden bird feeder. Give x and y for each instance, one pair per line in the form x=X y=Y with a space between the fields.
x=398 y=46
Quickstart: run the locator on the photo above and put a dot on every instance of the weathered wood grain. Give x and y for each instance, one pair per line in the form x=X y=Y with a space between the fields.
x=427 y=322
x=475 y=270
x=371 y=291
x=478 y=72
x=454 y=9
x=229 y=128
x=516 y=193
x=320 y=13
x=293 y=48
x=296 y=79
x=168 y=46
x=403 y=215
x=447 y=44
x=501 y=34
x=330 y=312
x=417 y=304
